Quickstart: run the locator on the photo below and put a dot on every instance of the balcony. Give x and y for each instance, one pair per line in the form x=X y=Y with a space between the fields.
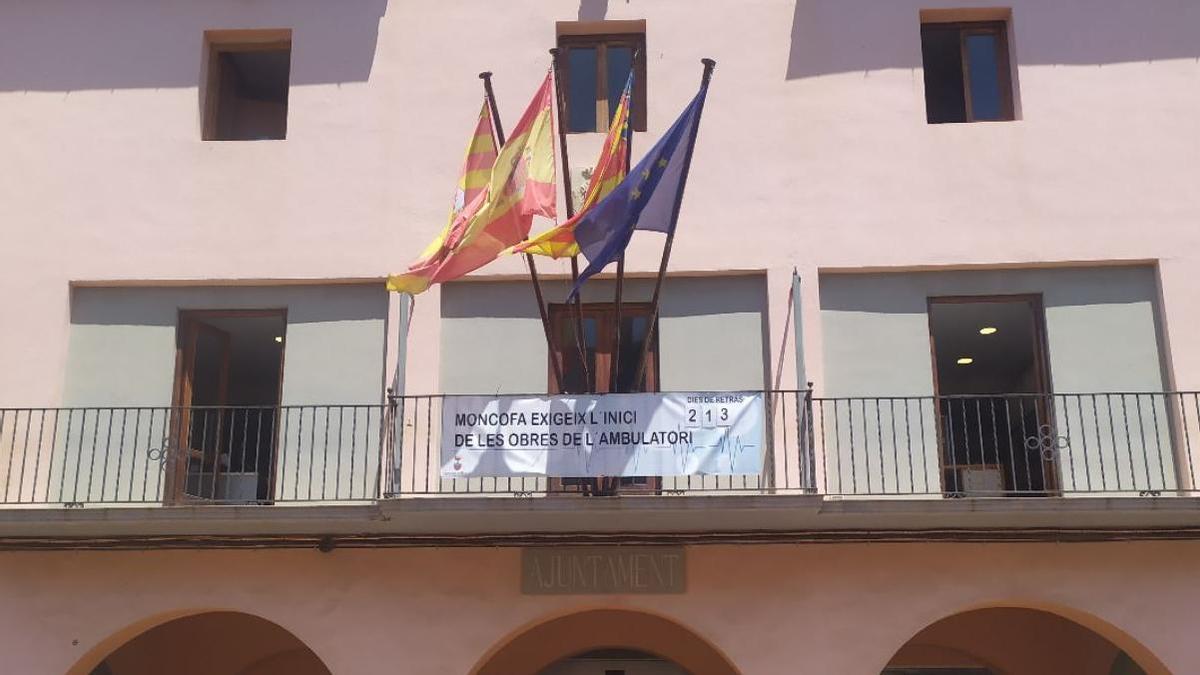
x=880 y=462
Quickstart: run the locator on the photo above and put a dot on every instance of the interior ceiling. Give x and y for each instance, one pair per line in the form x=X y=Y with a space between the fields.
x=253 y=349
x=1003 y=360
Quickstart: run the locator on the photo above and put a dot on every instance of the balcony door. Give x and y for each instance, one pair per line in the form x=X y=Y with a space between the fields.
x=587 y=367
x=227 y=395
x=993 y=395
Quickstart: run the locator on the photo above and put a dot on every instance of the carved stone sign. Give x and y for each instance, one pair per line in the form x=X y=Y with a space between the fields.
x=598 y=570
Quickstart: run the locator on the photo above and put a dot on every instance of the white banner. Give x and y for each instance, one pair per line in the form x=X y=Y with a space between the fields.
x=679 y=434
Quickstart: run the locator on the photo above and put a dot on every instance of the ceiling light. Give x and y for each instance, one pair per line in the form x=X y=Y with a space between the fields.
x=987 y=330
x=279 y=338
x=965 y=361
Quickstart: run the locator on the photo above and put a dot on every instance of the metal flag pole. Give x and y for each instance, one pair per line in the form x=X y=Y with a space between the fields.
x=615 y=371
x=589 y=380
x=709 y=64
x=486 y=76
x=611 y=485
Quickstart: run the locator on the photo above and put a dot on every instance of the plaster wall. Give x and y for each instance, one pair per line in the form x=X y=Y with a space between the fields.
x=1101 y=327
x=813 y=153
x=218 y=642
x=123 y=341
x=768 y=609
x=1009 y=640
x=712 y=333
x=123 y=352
x=1102 y=334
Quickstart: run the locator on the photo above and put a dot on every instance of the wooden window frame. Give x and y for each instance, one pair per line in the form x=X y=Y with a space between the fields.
x=1041 y=369
x=601 y=42
x=562 y=315
x=999 y=28
x=218 y=42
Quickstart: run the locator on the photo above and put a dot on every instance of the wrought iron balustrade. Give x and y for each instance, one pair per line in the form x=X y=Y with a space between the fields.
x=1119 y=444
x=192 y=455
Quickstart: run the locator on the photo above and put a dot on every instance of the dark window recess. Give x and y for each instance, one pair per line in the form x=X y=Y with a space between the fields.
x=247 y=93
x=593 y=372
x=967 y=75
x=940 y=670
x=588 y=367
x=593 y=69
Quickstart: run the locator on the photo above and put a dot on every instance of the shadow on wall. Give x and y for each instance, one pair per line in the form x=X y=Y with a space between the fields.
x=128 y=44
x=593 y=10
x=681 y=296
x=117 y=306
x=908 y=292
x=208 y=642
x=840 y=36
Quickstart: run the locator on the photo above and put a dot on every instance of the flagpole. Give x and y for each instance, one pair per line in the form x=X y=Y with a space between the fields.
x=615 y=371
x=486 y=76
x=568 y=190
x=709 y=64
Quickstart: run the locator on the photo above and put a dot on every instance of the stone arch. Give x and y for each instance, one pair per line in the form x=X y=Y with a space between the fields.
x=225 y=642
x=993 y=621
x=542 y=643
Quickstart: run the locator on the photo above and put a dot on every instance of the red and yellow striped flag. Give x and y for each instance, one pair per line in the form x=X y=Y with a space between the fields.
x=472 y=184
x=520 y=185
x=559 y=241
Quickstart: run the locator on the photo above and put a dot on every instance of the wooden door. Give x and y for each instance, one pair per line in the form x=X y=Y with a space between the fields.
x=202 y=384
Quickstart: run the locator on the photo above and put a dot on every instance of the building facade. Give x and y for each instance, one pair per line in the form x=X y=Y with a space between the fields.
x=951 y=245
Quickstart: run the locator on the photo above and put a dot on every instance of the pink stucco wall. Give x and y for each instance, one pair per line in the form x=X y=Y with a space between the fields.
x=814 y=150
x=814 y=153
x=832 y=608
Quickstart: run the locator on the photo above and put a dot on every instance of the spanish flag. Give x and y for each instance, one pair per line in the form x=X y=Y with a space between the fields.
x=559 y=241
x=520 y=185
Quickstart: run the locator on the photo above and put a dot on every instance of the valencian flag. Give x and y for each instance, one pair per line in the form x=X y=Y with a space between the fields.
x=559 y=241
x=645 y=200
x=520 y=185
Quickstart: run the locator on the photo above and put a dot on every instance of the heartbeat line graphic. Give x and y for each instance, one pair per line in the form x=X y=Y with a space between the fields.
x=730 y=448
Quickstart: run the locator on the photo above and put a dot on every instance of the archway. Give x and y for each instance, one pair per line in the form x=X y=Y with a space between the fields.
x=998 y=640
x=604 y=634
x=206 y=643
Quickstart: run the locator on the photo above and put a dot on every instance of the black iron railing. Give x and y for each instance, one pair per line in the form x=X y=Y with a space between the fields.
x=224 y=454
x=1011 y=444
x=1120 y=444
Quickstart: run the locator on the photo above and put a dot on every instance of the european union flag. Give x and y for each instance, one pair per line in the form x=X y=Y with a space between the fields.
x=647 y=199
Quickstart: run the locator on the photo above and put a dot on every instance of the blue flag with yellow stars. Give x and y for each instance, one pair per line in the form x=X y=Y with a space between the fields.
x=645 y=200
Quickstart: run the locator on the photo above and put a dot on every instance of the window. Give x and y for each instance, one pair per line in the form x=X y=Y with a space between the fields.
x=599 y=346
x=598 y=350
x=593 y=69
x=246 y=88
x=967 y=76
